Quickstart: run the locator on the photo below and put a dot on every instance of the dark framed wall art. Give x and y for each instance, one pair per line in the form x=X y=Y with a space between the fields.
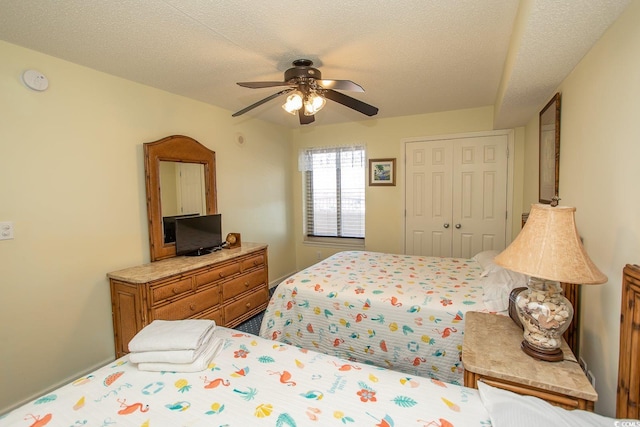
x=549 y=151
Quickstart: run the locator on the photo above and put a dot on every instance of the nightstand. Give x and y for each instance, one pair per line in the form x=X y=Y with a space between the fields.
x=491 y=353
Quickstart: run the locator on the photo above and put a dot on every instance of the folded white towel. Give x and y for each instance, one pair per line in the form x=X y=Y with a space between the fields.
x=200 y=364
x=172 y=356
x=160 y=335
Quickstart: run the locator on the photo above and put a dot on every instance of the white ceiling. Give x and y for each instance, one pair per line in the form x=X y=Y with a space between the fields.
x=411 y=56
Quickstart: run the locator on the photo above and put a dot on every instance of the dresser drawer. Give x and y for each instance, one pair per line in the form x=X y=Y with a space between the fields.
x=252 y=262
x=242 y=284
x=188 y=306
x=245 y=305
x=165 y=291
x=218 y=273
x=215 y=315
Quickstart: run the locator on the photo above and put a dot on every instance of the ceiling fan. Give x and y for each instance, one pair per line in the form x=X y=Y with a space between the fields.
x=307 y=92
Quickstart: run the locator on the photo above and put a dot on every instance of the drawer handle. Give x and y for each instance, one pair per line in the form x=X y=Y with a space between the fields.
x=192 y=306
x=248 y=305
x=175 y=290
x=246 y=284
x=256 y=262
x=221 y=274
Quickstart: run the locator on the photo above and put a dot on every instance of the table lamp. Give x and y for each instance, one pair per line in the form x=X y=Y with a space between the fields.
x=548 y=249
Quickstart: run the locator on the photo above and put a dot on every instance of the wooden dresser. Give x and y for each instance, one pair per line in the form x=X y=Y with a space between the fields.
x=228 y=286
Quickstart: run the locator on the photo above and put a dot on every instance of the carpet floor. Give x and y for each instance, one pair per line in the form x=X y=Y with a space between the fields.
x=252 y=326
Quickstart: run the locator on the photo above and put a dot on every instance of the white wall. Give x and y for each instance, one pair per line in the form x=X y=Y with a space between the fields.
x=72 y=182
x=599 y=175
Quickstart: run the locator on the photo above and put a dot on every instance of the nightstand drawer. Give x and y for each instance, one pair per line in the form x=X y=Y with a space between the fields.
x=561 y=400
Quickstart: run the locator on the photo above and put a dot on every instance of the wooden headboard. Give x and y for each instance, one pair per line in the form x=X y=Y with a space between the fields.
x=628 y=396
x=572 y=334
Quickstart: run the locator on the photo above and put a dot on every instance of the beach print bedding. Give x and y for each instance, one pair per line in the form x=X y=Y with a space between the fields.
x=401 y=312
x=254 y=382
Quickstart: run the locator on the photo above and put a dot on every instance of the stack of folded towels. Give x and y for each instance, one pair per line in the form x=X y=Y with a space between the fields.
x=175 y=345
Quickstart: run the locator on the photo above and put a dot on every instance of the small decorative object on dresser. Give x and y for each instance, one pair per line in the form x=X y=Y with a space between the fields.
x=233 y=240
x=490 y=353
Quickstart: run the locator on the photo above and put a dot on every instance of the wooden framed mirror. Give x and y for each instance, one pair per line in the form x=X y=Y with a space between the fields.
x=181 y=181
x=549 y=151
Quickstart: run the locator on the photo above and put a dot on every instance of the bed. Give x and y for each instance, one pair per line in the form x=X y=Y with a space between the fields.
x=401 y=312
x=254 y=382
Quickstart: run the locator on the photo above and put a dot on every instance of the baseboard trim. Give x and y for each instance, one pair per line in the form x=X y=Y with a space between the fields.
x=4 y=411
x=279 y=280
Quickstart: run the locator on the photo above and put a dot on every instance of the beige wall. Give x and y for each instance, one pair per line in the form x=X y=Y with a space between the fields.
x=72 y=181
x=384 y=218
x=599 y=175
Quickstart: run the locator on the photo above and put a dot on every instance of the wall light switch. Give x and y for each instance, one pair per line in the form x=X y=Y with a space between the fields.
x=6 y=230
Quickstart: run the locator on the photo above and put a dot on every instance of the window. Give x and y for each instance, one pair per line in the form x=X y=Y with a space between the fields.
x=334 y=186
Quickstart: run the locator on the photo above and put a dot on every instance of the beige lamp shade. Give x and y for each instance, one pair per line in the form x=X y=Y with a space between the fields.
x=549 y=247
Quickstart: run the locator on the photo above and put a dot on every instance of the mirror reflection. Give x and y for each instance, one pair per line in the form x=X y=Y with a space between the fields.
x=182 y=194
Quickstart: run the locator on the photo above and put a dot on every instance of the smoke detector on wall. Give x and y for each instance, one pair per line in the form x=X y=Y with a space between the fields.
x=35 y=80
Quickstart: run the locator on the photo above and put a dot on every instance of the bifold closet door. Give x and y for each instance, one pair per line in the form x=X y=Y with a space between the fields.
x=456 y=196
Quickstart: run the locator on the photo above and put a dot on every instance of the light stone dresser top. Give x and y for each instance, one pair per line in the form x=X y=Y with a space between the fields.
x=491 y=347
x=167 y=267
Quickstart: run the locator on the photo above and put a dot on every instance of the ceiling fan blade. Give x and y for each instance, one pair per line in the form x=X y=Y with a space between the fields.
x=259 y=85
x=350 y=102
x=267 y=99
x=305 y=120
x=341 y=85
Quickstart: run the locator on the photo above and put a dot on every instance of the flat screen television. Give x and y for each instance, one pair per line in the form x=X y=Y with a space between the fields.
x=198 y=235
x=169 y=226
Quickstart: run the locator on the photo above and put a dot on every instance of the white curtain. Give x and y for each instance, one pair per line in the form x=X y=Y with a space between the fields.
x=351 y=155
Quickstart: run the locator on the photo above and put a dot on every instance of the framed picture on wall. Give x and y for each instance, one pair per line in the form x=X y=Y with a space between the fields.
x=382 y=171
x=549 y=150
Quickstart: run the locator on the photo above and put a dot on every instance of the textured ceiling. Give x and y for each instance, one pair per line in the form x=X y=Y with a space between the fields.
x=411 y=56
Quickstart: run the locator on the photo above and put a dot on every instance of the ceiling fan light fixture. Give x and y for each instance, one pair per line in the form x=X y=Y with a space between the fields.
x=307 y=92
x=293 y=103
x=313 y=103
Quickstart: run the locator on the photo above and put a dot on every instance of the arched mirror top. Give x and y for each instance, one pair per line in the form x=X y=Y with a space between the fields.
x=169 y=154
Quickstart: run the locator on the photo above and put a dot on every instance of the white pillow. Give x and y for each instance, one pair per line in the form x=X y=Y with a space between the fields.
x=498 y=284
x=508 y=409
x=485 y=259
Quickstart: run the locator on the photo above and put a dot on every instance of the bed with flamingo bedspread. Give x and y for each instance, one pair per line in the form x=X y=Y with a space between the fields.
x=254 y=382
x=401 y=312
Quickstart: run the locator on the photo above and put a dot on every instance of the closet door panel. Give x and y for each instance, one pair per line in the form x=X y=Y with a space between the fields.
x=479 y=195
x=428 y=199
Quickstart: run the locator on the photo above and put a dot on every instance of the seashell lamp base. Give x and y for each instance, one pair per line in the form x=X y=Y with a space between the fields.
x=545 y=314
x=555 y=355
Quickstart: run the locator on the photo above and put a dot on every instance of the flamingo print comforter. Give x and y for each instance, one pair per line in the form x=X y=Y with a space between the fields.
x=254 y=382
x=401 y=312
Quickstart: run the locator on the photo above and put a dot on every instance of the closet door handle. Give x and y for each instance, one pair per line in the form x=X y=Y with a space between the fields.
x=458 y=225
x=446 y=225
